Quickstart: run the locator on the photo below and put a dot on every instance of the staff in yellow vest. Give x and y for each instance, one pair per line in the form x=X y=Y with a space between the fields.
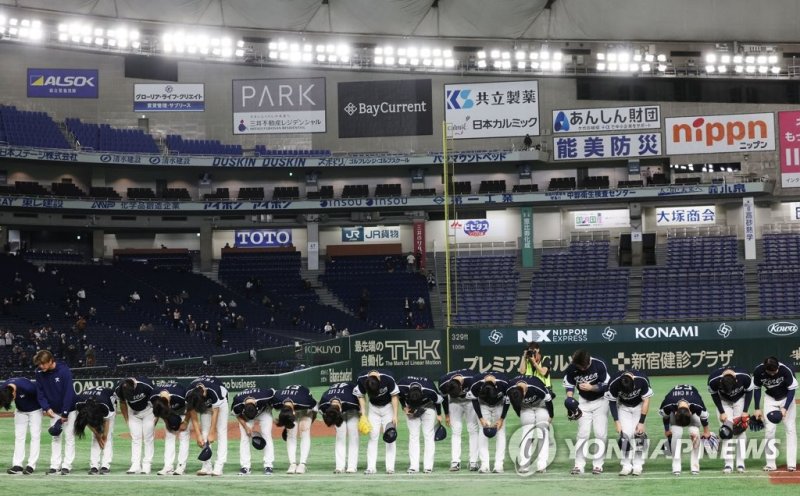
x=533 y=363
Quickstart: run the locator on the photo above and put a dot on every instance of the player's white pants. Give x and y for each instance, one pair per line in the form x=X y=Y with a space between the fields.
x=628 y=420
x=68 y=434
x=536 y=434
x=169 y=448
x=679 y=445
x=594 y=418
x=789 y=423
x=221 y=446
x=427 y=422
x=492 y=415
x=142 y=427
x=461 y=412
x=106 y=452
x=24 y=421
x=737 y=444
x=265 y=426
x=347 y=442
x=380 y=417
x=303 y=425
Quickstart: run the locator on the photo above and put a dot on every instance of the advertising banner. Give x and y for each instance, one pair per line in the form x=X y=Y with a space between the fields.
x=589 y=120
x=720 y=133
x=279 y=106
x=607 y=146
x=377 y=234
x=263 y=238
x=526 y=228
x=602 y=219
x=749 y=214
x=419 y=353
x=419 y=241
x=492 y=110
x=385 y=108
x=170 y=97
x=685 y=216
x=63 y=83
x=789 y=154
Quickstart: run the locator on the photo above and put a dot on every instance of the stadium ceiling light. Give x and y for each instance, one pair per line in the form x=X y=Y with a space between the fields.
x=449 y=63
x=481 y=64
x=762 y=69
x=495 y=54
x=556 y=65
x=662 y=68
x=520 y=55
x=612 y=67
x=750 y=69
x=711 y=58
x=601 y=66
x=661 y=57
x=481 y=54
x=772 y=59
x=601 y=55
x=725 y=59
x=521 y=65
x=645 y=67
x=775 y=70
x=722 y=69
x=649 y=57
x=738 y=69
x=710 y=68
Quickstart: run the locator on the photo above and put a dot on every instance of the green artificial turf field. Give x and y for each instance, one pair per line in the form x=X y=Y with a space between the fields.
x=656 y=480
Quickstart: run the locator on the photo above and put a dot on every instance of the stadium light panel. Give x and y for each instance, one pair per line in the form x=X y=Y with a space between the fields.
x=772 y=59
x=623 y=57
x=601 y=66
x=495 y=54
x=534 y=56
x=390 y=60
x=750 y=69
x=738 y=59
x=426 y=62
x=646 y=67
x=662 y=67
x=711 y=58
x=519 y=55
x=761 y=59
x=601 y=56
x=506 y=55
x=436 y=52
x=438 y=62
x=722 y=69
x=332 y=58
x=378 y=60
x=612 y=67
x=414 y=52
x=634 y=67
x=320 y=57
x=725 y=59
x=307 y=57
x=762 y=69
x=661 y=57
x=447 y=53
x=710 y=68
x=545 y=65
x=63 y=37
x=738 y=69
x=624 y=67
x=330 y=48
x=401 y=52
x=612 y=56
x=775 y=70
x=481 y=54
x=521 y=65
x=389 y=50
x=534 y=65
x=425 y=52
x=544 y=54
x=558 y=56
x=449 y=63
x=649 y=57
x=750 y=59
x=402 y=60
x=556 y=65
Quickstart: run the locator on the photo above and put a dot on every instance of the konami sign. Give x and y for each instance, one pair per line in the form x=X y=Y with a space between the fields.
x=720 y=133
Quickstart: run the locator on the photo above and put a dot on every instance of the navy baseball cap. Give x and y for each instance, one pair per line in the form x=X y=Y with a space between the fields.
x=390 y=434
x=440 y=434
x=258 y=441
x=775 y=416
x=55 y=429
x=205 y=453
x=490 y=432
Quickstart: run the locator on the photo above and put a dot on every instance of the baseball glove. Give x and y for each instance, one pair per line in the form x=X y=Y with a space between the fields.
x=740 y=424
x=364 y=426
x=711 y=443
x=756 y=424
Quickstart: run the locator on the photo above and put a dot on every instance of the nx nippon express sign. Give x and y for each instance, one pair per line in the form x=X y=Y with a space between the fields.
x=720 y=133
x=385 y=108
x=263 y=238
x=492 y=110
x=63 y=83
x=606 y=119
x=279 y=106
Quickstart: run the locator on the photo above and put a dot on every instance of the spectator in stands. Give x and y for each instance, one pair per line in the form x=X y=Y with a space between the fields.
x=146 y=327
x=232 y=304
x=80 y=324
x=227 y=245
x=92 y=312
x=205 y=327
x=30 y=293
x=135 y=298
x=219 y=334
x=191 y=324
x=240 y=322
x=647 y=176
x=328 y=328
x=17 y=278
x=418 y=259
x=431 y=280
x=527 y=142
x=81 y=294
x=184 y=294
x=410 y=320
x=40 y=270
x=406 y=304
x=90 y=356
x=7 y=305
x=345 y=332
x=248 y=287
x=410 y=262
x=420 y=303
x=176 y=318
x=266 y=301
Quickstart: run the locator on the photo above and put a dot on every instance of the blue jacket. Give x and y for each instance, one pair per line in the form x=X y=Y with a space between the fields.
x=55 y=389
x=25 y=398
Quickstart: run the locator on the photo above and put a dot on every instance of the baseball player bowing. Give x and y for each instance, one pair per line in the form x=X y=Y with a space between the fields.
x=95 y=409
x=487 y=394
x=169 y=404
x=207 y=406
x=56 y=395
x=628 y=398
x=531 y=401
x=589 y=376
x=134 y=394
x=422 y=405
x=731 y=390
x=339 y=407
x=458 y=412
x=27 y=416
x=779 y=407
x=381 y=393
x=253 y=406
x=683 y=408
x=296 y=407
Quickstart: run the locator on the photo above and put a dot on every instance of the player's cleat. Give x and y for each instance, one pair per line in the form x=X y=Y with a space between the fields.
x=541 y=471
x=695 y=472
x=576 y=471
x=202 y=473
x=350 y=471
x=740 y=469
x=369 y=472
x=94 y=471
x=769 y=468
x=267 y=470
x=524 y=470
x=53 y=471
x=727 y=470
x=412 y=471
x=145 y=470
x=28 y=470
x=455 y=466
x=498 y=470
x=637 y=471
x=791 y=469
x=15 y=470
x=244 y=471
x=165 y=471
x=676 y=473
x=597 y=470
x=105 y=470
x=389 y=472
x=65 y=471
x=427 y=471
x=217 y=473
x=338 y=471
x=626 y=471
x=180 y=470
x=133 y=470
x=292 y=468
x=483 y=470
x=473 y=467
x=301 y=469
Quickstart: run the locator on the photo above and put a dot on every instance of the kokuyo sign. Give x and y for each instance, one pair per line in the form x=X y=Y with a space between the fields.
x=720 y=133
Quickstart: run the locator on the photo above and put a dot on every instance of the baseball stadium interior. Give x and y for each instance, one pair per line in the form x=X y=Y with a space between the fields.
x=226 y=188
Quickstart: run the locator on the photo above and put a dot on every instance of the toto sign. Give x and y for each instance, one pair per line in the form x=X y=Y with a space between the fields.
x=263 y=238
x=782 y=328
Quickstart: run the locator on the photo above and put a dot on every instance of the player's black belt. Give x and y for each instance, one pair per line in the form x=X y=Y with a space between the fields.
x=380 y=402
x=775 y=398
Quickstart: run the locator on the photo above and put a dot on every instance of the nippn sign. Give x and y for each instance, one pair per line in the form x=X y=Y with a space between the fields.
x=720 y=133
